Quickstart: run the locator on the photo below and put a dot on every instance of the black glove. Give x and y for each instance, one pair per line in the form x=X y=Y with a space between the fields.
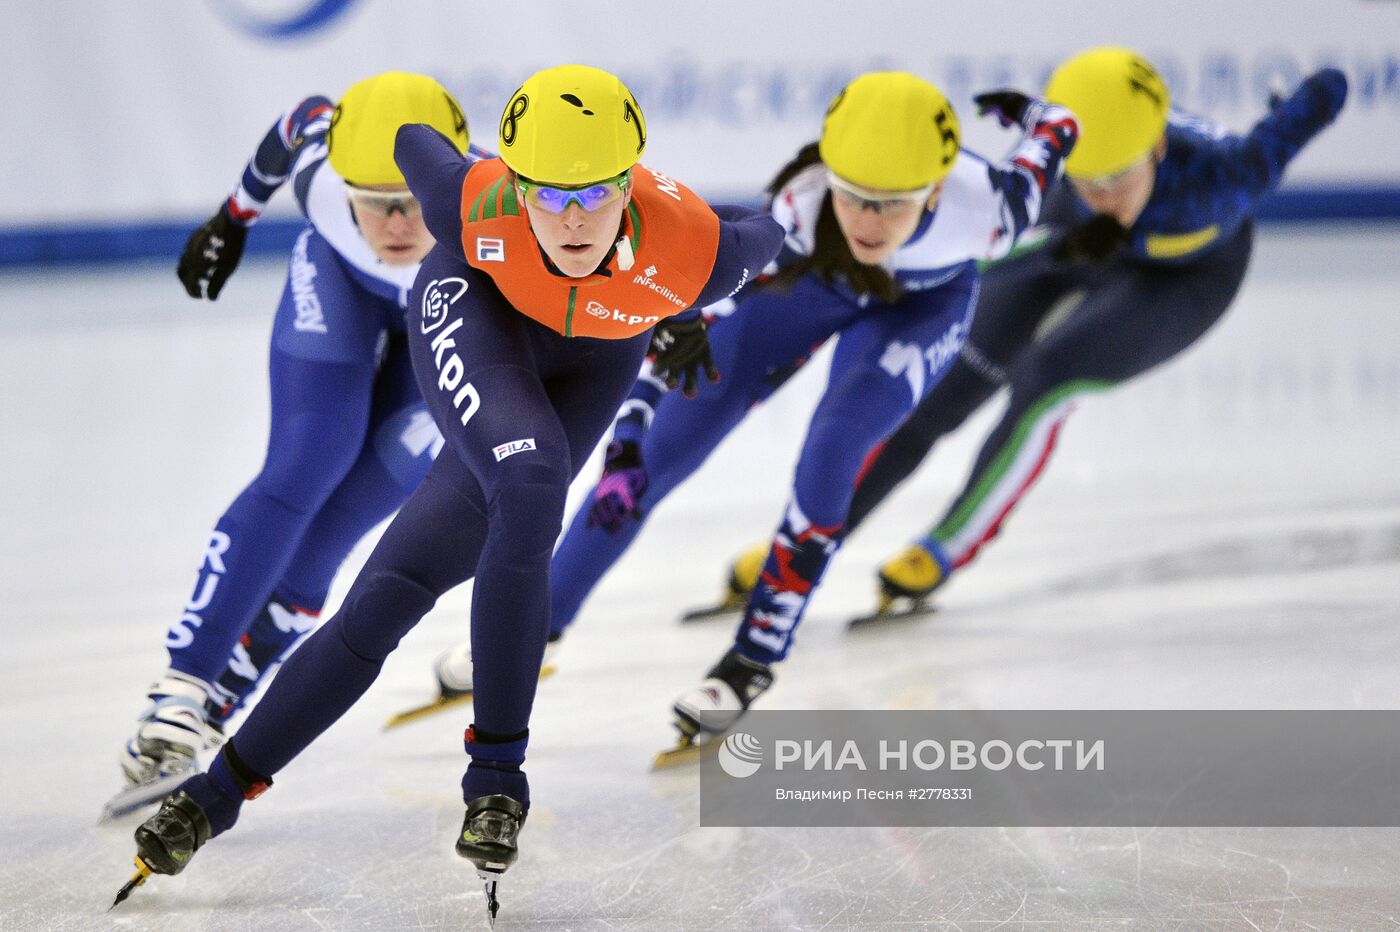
x=211 y=254
x=1008 y=106
x=1094 y=240
x=680 y=348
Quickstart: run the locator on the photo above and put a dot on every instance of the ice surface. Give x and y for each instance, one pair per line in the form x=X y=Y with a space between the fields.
x=1222 y=533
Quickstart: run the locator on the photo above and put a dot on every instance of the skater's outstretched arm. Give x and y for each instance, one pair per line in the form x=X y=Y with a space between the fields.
x=1254 y=163
x=212 y=252
x=1023 y=179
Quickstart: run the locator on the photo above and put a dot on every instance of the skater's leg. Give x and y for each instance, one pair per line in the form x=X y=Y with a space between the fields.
x=883 y=365
x=1015 y=299
x=321 y=388
x=399 y=449
x=1140 y=317
x=431 y=546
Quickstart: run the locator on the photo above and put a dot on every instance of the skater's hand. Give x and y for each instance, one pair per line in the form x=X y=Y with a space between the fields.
x=1094 y=240
x=680 y=348
x=211 y=254
x=1007 y=105
x=617 y=496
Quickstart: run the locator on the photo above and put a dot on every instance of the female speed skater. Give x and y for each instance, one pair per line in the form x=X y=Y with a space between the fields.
x=530 y=320
x=885 y=219
x=350 y=435
x=1154 y=231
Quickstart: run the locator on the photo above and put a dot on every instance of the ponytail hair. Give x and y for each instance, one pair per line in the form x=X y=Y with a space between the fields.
x=831 y=259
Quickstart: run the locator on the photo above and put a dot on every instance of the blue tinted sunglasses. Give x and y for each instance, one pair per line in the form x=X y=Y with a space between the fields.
x=591 y=197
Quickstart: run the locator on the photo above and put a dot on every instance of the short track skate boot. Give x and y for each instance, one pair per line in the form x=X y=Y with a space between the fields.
x=167 y=840
x=488 y=840
x=912 y=574
x=174 y=728
x=743 y=576
x=725 y=695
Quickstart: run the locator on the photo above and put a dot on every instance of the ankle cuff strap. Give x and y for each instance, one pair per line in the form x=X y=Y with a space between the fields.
x=250 y=782
x=476 y=735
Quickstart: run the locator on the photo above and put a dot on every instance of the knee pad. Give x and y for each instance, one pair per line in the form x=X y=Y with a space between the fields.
x=527 y=512
x=380 y=610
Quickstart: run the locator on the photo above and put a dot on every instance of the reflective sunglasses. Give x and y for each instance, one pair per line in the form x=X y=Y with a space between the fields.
x=887 y=203
x=556 y=200
x=384 y=203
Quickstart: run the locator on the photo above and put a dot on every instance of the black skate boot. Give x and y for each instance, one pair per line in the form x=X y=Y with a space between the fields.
x=729 y=689
x=714 y=706
x=167 y=840
x=488 y=841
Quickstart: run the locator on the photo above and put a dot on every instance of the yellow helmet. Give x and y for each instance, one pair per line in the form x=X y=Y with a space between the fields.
x=361 y=138
x=890 y=130
x=1121 y=103
x=572 y=125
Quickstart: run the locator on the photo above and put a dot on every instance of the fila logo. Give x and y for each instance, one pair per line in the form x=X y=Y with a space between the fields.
x=490 y=250
x=513 y=447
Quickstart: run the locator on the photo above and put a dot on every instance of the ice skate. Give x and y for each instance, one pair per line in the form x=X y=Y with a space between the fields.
x=906 y=581
x=743 y=576
x=167 y=841
x=714 y=706
x=175 y=729
x=488 y=840
x=454 y=677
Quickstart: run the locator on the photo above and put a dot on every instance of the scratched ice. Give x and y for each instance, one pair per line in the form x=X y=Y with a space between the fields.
x=1222 y=533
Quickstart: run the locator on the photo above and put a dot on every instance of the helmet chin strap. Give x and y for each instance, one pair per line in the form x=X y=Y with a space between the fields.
x=625 y=258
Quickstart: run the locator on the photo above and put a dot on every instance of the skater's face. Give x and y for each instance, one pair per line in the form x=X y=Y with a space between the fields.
x=1124 y=195
x=575 y=238
x=391 y=221
x=875 y=223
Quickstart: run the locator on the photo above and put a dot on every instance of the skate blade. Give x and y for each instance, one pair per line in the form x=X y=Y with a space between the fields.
x=887 y=615
x=489 y=880
x=442 y=704
x=731 y=605
x=687 y=751
x=143 y=873
x=142 y=795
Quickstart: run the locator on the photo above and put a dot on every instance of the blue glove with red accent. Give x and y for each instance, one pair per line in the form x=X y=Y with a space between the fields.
x=618 y=494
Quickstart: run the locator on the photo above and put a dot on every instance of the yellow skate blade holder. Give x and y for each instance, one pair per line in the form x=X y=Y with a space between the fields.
x=137 y=879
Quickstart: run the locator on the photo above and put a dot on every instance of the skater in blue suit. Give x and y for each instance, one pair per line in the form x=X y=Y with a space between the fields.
x=350 y=436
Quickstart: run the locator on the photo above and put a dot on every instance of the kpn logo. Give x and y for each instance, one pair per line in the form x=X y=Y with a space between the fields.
x=740 y=755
